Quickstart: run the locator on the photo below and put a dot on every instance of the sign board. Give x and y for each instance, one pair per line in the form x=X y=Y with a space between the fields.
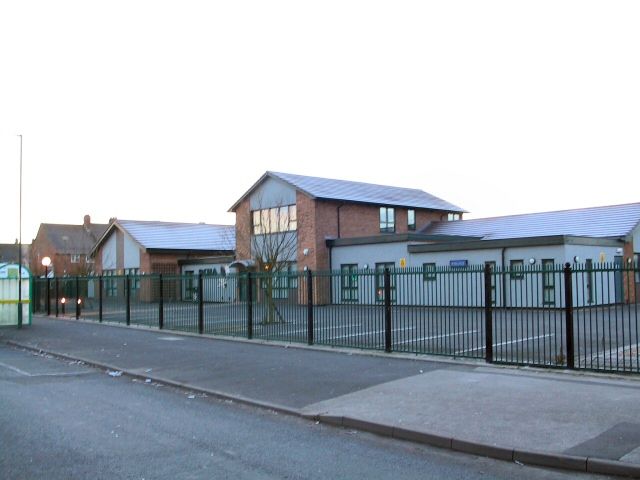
x=403 y=262
x=458 y=263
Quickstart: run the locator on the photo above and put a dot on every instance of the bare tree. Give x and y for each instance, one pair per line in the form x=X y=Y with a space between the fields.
x=273 y=247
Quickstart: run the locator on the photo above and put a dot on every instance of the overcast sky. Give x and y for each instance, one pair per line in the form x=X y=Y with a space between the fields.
x=155 y=110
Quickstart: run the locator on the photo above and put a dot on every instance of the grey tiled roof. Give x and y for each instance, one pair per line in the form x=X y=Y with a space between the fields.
x=73 y=239
x=349 y=191
x=181 y=236
x=599 y=222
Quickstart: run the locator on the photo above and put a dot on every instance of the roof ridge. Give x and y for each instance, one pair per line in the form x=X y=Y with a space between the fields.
x=348 y=181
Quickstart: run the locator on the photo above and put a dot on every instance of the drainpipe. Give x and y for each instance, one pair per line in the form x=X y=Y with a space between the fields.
x=504 y=280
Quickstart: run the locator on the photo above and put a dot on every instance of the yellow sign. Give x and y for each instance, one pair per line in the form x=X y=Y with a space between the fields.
x=403 y=262
x=603 y=257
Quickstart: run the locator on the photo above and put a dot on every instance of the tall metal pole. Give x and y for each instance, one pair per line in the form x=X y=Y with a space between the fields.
x=20 y=246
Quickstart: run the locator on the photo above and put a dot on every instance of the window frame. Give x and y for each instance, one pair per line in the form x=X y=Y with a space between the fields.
x=548 y=281
x=349 y=282
x=387 y=219
x=429 y=272
x=411 y=219
x=379 y=281
x=280 y=219
x=516 y=269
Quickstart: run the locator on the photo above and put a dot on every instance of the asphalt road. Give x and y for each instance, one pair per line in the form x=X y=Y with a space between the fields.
x=64 y=420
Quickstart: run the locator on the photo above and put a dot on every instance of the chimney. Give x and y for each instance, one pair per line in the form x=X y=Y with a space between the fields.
x=87 y=220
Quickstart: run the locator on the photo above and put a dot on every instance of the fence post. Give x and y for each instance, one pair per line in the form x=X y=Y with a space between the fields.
x=309 y=308
x=127 y=294
x=77 y=297
x=57 y=295
x=568 y=305
x=100 y=287
x=387 y=310
x=200 y=304
x=48 y=296
x=488 y=315
x=161 y=304
x=249 y=307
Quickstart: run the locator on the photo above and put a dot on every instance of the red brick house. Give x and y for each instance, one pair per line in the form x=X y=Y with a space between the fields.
x=68 y=246
x=313 y=209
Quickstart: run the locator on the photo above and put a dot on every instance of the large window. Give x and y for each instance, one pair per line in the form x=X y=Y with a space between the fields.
x=411 y=219
x=275 y=220
x=380 y=268
x=387 y=220
x=349 y=282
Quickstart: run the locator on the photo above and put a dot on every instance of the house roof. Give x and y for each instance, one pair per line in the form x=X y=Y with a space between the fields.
x=358 y=192
x=9 y=252
x=599 y=222
x=153 y=235
x=72 y=239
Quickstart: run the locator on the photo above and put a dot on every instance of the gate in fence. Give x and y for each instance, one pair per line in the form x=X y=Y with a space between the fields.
x=582 y=316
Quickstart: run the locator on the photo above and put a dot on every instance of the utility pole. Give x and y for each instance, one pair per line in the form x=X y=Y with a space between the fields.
x=20 y=245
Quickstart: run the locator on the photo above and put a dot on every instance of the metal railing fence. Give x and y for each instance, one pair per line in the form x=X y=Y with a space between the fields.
x=571 y=316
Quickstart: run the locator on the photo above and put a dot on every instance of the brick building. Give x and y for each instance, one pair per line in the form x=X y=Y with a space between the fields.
x=311 y=210
x=68 y=247
x=143 y=247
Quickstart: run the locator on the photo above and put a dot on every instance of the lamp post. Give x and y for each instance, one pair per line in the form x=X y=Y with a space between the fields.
x=46 y=261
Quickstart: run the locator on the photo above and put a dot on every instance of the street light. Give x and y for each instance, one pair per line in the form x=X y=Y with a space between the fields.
x=46 y=261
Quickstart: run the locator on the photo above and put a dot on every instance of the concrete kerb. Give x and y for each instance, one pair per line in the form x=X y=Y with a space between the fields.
x=526 y=457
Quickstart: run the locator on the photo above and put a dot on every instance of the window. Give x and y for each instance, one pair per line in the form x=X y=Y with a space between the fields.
x=349 y=282
x=75 y=258
x=110 y=283
x=380 y=268
x=516 y=269
x=411 y=219
x=281 y=281
x=274 y=220
x=452 y=217
x=134 y=273
x=89 y=259
x=548 y=282
x=429 y=272
x=190 y=286
x=387 y=220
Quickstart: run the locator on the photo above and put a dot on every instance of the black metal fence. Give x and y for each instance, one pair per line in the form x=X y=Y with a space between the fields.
x=580 y=316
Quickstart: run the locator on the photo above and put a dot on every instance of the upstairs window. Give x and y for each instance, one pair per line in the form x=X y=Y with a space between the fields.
x=274 y=220
x=452 y=217
x=75 y=258
x=387 y=220
x=411 y=219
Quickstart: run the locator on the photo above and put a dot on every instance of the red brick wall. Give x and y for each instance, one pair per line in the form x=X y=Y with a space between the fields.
x=243 y=230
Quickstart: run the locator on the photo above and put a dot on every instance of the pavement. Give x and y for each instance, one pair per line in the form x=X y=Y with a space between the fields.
x=572 y=420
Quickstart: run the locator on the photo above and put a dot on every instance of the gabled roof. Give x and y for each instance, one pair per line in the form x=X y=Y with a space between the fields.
x=72 y=239
x=613 y=221
x=357 y=192
x=153 y=235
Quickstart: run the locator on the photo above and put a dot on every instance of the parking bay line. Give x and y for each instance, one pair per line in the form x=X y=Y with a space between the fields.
x=511 y=342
